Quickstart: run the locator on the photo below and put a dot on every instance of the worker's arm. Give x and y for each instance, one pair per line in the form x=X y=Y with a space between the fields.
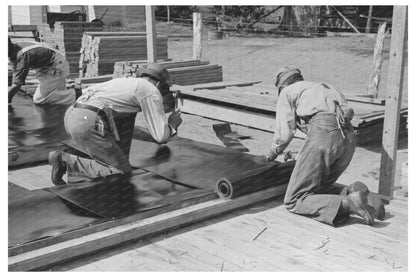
x=159 y=126
x=20 y=72
x=285 y=125
x=13 y=90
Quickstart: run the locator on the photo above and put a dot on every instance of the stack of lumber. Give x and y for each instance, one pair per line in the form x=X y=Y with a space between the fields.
x=66 y=36
x=254 y=105
x=100 y=50
x=183 y=73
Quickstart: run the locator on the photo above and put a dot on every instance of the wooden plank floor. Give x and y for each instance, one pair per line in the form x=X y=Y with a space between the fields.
x=289 y=243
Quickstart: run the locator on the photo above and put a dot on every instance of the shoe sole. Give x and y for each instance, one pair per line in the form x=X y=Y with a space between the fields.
x=50 y=157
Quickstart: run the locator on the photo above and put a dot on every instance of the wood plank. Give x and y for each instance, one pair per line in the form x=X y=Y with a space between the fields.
x=107 y=34
x=241 y=100
x=346 y=20
x=90 y=243
x=218 y=85
x=368 y=25
x=310 y=234
x=197 y=38
x=23 y=28
x=95 y=80
x=375 y=76
x=151 y=34
x=204 y=257
x=281 y=234
x=177 y=202
x=393 y=103
x=366 y=99
x=229 y=114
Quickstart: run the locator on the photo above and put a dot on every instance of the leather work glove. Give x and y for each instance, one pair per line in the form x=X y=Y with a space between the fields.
x=271 y=156
x=175 y=120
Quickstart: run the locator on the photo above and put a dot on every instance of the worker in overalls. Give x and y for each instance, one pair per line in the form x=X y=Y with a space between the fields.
x=51 y=70
x=101 y=122
x=326 y=153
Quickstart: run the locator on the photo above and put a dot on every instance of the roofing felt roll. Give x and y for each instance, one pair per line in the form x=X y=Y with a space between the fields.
x=250 y=181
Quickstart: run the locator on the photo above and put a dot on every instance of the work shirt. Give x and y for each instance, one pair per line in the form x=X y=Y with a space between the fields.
x=36 y=58
x=131 y=95
x=302 y=100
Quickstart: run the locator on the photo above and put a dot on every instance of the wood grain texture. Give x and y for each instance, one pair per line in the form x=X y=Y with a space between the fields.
x=393 y=101
x=290 y=243
x=90 y=243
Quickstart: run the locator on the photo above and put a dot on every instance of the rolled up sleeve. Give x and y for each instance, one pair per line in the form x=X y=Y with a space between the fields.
x=285 y=123
x=155 y=118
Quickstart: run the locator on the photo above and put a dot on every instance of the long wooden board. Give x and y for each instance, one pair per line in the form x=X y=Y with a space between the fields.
x=223 y=84
x=175 y=202
x=64 y=251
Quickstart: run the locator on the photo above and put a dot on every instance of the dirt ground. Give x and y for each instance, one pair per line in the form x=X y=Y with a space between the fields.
x=345 y=62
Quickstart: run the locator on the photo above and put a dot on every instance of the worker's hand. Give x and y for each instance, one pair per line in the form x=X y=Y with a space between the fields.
x=289 y=156
x=271 y=156
x=175 y=120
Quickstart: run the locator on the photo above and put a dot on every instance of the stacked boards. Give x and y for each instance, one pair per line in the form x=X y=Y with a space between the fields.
x=189 y=72
x=66 y=36
x=100 y=50
x=253 y=104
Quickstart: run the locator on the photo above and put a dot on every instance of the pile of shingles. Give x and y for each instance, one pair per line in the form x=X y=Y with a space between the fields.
x=189 y=72
x=100 y=50
x=66 y=36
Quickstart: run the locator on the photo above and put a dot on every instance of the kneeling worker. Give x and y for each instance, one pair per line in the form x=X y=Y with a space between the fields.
x=51 y=70
x=101 y=122
x=326 y=153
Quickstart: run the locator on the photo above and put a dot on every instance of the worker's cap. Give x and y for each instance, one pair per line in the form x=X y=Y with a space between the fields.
x=154 y=70
x=285 y=73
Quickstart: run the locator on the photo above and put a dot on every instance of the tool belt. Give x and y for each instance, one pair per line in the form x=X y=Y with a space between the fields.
x=106 y=114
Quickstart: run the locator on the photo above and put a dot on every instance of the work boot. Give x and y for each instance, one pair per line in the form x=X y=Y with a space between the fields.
x=375 y=201
x=58 y=164
x=356 y=186
x=356 y=203
x=372 y=198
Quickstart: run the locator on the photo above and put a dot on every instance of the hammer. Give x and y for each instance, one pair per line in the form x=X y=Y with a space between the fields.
x=289 y=155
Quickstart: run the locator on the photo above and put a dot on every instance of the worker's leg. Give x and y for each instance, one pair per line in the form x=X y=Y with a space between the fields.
x=107 y=157
x=323 y=146
x=341 y=164
x=52 y=88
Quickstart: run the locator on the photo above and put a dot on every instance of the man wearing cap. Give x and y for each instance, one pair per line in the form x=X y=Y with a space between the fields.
x=327 y=151
x=101 y=122
x=51 y=70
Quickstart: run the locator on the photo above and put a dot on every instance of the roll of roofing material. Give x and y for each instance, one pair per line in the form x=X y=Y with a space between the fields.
x=233 y=186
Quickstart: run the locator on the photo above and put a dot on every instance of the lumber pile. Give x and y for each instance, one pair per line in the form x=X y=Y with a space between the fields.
x=100 y=50
x=183 y=73
x=252 y=104
x=66 y=36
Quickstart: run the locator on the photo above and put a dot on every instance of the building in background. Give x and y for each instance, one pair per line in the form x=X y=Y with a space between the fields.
x=110 y=15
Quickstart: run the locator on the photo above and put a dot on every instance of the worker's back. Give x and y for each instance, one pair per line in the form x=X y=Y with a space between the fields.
x=122 y=94
x=310 y=98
